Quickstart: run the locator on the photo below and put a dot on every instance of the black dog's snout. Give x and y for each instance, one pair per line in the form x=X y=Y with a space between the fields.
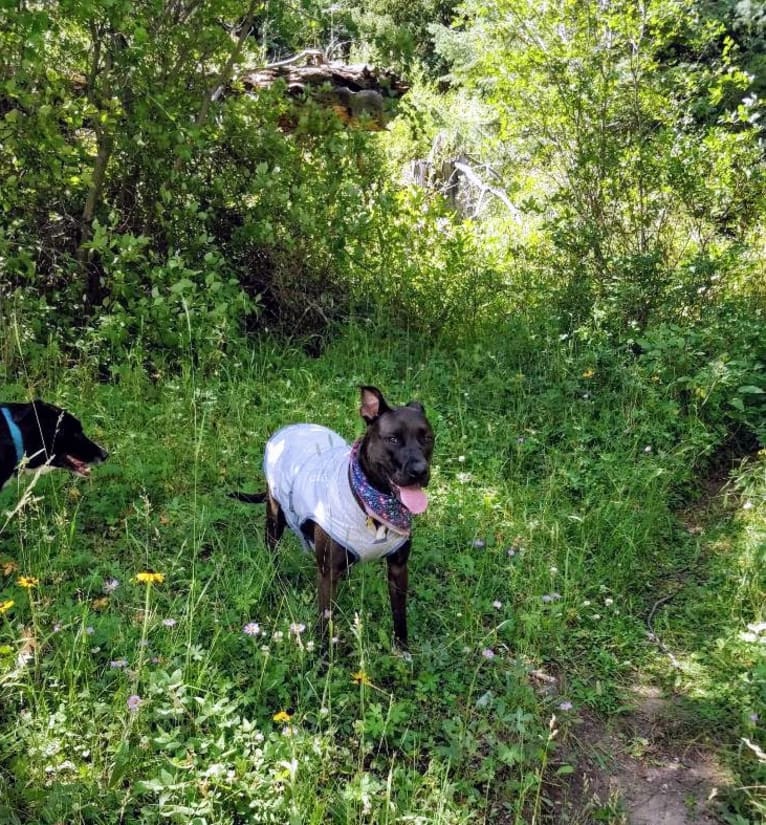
x=417 y=470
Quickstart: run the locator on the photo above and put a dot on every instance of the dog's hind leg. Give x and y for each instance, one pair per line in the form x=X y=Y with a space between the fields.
x=275 y=522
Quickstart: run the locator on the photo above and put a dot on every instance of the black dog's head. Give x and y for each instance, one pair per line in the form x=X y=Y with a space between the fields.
x=396 y=450
x=53 y=436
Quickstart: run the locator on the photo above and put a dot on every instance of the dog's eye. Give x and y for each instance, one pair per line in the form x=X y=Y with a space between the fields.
x=393 y=439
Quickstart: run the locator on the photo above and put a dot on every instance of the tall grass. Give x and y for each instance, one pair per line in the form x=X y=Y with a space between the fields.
x=552 y=530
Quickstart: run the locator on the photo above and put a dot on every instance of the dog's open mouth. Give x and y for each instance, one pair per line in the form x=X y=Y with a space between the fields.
x=413 y=497
x=79 y=468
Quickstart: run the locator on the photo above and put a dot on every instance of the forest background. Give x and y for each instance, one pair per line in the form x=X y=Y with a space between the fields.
x=579 y=302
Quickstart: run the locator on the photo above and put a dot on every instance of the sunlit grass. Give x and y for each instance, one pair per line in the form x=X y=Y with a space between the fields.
x=202 y=697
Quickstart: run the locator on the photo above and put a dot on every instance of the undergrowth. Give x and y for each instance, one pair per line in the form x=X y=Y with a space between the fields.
x=198 y=696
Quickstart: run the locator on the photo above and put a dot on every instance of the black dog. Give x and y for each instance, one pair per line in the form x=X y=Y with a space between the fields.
x=351 y=503
x=38 y=435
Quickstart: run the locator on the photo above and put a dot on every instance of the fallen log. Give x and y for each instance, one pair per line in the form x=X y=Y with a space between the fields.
x=361 y=96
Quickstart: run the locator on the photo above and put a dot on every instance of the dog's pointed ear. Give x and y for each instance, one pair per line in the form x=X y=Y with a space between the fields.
x=416 y=405
x=373 y=403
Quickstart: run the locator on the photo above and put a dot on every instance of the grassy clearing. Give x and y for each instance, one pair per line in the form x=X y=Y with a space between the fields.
x=552 y=531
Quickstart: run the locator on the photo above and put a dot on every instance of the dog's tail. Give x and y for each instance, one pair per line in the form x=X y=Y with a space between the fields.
x=250 y=498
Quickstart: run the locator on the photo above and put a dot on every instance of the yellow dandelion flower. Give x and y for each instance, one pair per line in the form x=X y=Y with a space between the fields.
x=588 y=373
x=147 y=577
x=28 y=582
x=360 y=678
x=6 y=606
x=282 y=716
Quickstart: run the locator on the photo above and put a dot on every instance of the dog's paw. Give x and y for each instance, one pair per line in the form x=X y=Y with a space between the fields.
x=404 y=655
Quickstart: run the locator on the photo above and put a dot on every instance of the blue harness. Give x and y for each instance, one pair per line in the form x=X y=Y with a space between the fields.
x=13 y=429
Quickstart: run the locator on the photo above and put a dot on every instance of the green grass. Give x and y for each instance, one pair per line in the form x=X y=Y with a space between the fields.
x=552 y=530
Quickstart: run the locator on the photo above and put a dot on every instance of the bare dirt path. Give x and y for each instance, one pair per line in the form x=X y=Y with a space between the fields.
x=640 y=769
x=648 y=765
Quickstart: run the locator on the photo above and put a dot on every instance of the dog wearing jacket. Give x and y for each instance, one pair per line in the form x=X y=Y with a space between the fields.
x=351 y=502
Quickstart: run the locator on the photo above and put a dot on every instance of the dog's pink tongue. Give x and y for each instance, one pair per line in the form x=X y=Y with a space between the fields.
x=414 y=499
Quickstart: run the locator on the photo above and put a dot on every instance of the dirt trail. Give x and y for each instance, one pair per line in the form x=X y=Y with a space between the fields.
x=638 y=770
x=645 y=766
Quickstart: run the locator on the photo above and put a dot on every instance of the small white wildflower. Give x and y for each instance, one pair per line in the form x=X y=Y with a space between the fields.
x=497 y=604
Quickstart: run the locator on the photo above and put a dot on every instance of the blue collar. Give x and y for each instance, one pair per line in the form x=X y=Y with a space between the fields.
x=13 y=429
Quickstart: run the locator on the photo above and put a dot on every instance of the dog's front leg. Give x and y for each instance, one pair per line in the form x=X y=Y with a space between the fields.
x=332 y=565
x=397 y=591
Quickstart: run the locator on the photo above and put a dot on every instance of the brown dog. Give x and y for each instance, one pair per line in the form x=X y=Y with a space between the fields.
x=351 y=503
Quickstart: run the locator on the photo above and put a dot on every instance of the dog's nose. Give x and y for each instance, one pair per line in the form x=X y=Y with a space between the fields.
x=418 y=469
